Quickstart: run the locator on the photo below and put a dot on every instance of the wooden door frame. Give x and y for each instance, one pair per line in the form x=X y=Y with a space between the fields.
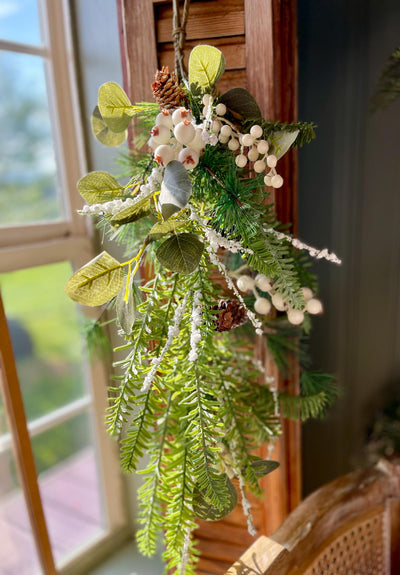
x=271 y=62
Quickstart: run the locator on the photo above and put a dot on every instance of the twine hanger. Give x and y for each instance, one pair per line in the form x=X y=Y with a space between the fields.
x=179 y=37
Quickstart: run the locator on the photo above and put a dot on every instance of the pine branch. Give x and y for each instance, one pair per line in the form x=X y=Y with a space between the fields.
x=388 y=87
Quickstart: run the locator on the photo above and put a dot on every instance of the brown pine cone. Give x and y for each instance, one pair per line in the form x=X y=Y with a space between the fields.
x=231 y=314
x=166 y=89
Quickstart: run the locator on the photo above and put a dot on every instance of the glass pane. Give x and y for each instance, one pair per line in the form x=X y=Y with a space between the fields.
x=29 y=190
x=18 y=554
x=19 y=21
x=69 y=483
x=46 y=335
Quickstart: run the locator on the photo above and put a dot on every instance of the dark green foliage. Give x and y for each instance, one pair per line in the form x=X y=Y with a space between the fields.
x=317 y=391
x=388 y=87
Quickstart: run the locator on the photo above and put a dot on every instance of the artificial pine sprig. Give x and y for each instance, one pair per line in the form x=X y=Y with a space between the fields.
x=187 y=394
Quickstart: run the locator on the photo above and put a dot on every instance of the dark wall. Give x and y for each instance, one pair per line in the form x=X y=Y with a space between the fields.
x=350 y=202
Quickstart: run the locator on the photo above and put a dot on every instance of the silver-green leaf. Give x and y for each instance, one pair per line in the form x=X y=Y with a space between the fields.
x=241 y=104
x=282 y=141
x=176 y=187
x=181 y=253
x=126 y=310
x=160 y=229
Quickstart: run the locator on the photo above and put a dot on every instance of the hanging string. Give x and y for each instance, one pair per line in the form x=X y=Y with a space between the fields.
x=179 y=37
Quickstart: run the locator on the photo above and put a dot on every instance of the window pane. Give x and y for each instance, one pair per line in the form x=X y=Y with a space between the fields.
x=18 y=554
x=46 y=335
x=69 y=484
x=29 y=190
x=19 y=21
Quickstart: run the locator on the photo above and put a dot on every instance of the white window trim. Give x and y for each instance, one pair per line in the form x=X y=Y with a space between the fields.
x=24 y=246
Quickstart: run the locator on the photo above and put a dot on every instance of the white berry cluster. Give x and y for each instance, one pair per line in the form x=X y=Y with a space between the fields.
x=176 y=136
x=263 y=305
x=251 y=147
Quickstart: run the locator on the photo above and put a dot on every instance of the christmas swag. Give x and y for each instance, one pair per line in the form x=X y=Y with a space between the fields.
x=196 y=214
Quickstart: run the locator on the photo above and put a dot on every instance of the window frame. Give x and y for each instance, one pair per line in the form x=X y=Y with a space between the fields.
x=70 y=239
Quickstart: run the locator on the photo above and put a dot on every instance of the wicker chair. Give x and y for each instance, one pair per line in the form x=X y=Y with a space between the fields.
x=350 y=526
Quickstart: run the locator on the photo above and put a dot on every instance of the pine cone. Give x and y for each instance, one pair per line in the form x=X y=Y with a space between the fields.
x=166 y=89
x=231 y=314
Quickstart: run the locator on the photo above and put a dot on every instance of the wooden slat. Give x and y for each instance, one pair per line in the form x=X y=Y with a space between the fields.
x=220 y=18
x=233 y=49
x=14 y=407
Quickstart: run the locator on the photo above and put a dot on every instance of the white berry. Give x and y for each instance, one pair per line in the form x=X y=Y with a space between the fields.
x=206 y=99
x=253 y=154
x=267 y=180
x=160 y=135
x=307 y=293
x=198 y=142
x=164 y=119
x=247 y=140
x=184 y=132
x=314 y=306
x=241 y=161
x=295 y=316
x=272 y=161
x=277 y=181
x=164 y=154
x=181 y=114
x=256 y=131
x=278 y=302
x=245 y=283
x=189 y=158
x=263 y=147
x=259 y=166
x=220 y=109
x=226 y=130
x=262 y=305
x=233 y=144
x=216 y=126
x=223 y=139
x=263 y=283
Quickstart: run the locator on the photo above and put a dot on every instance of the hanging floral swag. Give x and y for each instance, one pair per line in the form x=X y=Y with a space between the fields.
x=190 y=395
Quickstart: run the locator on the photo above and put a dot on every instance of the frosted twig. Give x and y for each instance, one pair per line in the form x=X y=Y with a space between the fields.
x=173 y=331
x=185 y=552
x=195 y=333
x=319 y=254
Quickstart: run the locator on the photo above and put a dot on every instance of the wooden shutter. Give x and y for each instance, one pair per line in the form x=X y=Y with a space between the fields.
x=259 y=42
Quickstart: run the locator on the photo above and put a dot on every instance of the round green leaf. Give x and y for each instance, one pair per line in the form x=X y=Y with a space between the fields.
x=206 y=66
x=103 y=133
x=161 y=228
x=241 y=104
x=264 y=466
x=136 y=212
x=181 y=253
x=282 y=141
x=99 y=187
x=96 y=282
x=115 y=107
x=203 y=509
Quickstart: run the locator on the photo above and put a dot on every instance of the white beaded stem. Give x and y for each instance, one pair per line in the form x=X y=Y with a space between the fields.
x=195 y=332
x=173 y=331
x=315 y=253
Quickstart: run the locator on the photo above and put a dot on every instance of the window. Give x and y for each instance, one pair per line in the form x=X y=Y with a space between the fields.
x=41 y=239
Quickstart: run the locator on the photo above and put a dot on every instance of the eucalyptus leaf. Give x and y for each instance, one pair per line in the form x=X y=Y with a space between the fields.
x=160 y=229
x=206 y=66
x=96 y=282
x=115 y=107
x=176 y=187
x=204 y=510
x=103 y=133
x=126 y=310
x=264 y=466
x=241 y=104
x=282 y=141
x=133 y=213
x=181 y=253
x=169 y=210
x=99 y=187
